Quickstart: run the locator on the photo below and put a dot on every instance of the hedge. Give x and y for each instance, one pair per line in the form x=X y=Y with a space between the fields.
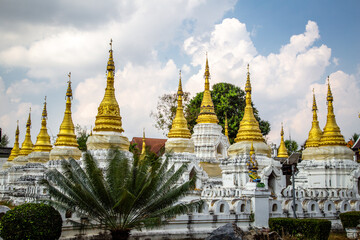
x=350 y=219
x=35 y=221
x=316 y=229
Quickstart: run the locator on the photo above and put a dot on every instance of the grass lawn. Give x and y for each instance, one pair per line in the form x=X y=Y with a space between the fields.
x=338 y=236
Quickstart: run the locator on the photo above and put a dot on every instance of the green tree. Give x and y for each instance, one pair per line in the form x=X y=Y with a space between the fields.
x=227 y=98
x=354 y=137
x=291 y=146
x=230 y=100
x=166 y=110
x=138 y=193
x=4 y=141
x=35 y=221
x=81 y=137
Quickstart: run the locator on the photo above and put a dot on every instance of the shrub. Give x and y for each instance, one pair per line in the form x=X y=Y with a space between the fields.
x=350 y=219
x=35 y=221
x=317 y=229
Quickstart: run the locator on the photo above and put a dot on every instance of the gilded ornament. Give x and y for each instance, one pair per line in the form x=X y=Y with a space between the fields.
x=207 y=110
x=43 y=143
x=331 y=134
x=179 y=128
x=15 y=150
x=66 y=136
x=108 y=117
x=315 y=131
x=27 y=146
x=282 y=152
x=249 y=129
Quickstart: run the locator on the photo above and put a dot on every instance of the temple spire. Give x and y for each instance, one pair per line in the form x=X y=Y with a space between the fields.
x=282 y=151
x=43 y=143
x=108 y=118
x=226 y=127
x=27 y=145
x=249 y=129
x=331 y=134
x=15 y=151
x=143 y=148
x=207 y=110
x=179 y=128
x=315 y=131
x=66 y=136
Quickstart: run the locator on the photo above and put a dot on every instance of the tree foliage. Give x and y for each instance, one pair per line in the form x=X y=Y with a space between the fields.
x=4 y=141
x=81 y=137
x=354 y=137
x=291 y=146
x=35 y=221
x=227 y=98
x=138 y=193
x=166 y=110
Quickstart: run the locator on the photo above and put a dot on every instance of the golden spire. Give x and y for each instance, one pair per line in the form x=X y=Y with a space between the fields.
x=226 y=128
x=27 y=145
x=207 y=111
x=143 y=143
x=331 y=134
x=66 y=136
x=179 y=127
x=108 y=118
x=43 y=143
x=315 y=131
x=282 y=151
x=15 y=151
x=252 y=151
x=249 y=129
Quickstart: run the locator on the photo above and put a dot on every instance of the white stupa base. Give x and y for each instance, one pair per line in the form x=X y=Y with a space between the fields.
x=65 y=152
x=107 y=140
x=39 y=157
x=179 y=145
x=243 y=147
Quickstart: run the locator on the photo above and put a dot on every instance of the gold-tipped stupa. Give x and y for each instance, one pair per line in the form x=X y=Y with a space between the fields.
x=282 y=152
x=143 y=148
x=331 y=134
x=15 y=151
x=108 y=118
x=207 y=110
x=249 y=129
x=179 y=128
x=66 y=136
x=226 y=128
x=315 y=132
x=43 y=143
x=27 y=145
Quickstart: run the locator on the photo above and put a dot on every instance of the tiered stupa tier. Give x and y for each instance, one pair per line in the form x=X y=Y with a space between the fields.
x=332 y=144
x=315 y=134
x=179 y=135
x=66 y=145
x=282 y=152
x=27 y=145
x=249 y=130
x=108 y=126
x=43 y=145
x=16 y=150
x=210 y=143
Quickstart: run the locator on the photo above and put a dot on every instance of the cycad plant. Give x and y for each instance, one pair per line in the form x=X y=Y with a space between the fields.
x=130 y=193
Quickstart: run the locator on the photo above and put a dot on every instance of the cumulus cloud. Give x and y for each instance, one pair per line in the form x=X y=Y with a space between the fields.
x=137 y=89
x=281 y=82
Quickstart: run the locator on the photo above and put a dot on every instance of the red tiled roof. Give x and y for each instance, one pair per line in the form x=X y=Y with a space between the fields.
x=155 y=144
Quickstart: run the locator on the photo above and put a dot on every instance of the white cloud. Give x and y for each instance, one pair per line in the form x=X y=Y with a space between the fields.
x=137 y=90
x=281 y=81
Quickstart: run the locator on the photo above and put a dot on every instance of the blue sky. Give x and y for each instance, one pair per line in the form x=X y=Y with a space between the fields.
x=291 y=47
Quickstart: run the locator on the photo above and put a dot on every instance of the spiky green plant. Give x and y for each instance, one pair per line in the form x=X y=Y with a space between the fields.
x=131 y=193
